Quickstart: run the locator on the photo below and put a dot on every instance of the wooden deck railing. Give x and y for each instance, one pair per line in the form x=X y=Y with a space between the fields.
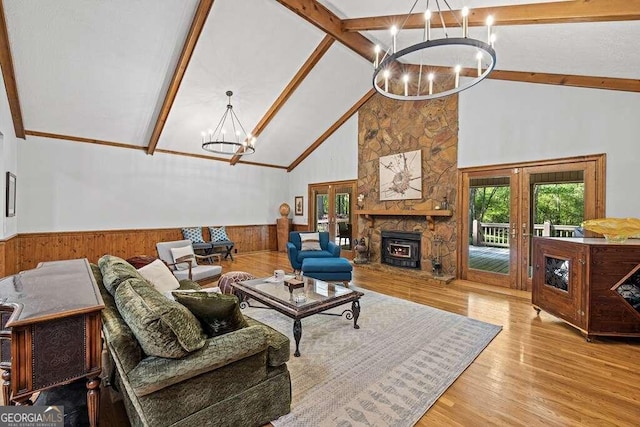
x=497 y=234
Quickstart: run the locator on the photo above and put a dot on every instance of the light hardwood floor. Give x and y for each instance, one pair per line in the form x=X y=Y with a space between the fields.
x=537 y=371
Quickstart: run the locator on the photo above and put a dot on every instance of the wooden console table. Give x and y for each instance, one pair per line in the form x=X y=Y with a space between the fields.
x=51 y=331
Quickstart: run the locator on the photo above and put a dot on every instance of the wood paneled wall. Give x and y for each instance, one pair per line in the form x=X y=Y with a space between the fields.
x=9 y=256
x=300 y=227
x=33 y=248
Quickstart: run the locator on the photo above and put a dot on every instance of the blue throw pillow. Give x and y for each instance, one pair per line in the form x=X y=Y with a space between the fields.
x=193 y=233
x=218 y=234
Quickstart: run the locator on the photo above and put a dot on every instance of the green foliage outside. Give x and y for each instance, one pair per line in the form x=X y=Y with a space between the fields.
x=560 y=204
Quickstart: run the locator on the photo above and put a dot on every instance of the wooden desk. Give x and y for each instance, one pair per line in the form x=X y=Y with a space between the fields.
x=51 y=318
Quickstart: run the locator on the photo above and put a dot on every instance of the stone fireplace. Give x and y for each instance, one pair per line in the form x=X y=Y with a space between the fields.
x=386 y=127
x=401 y=249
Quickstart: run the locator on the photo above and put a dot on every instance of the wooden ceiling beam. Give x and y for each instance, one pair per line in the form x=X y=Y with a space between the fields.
x=346 y=116
x=139 y=148
x=302 y=73
x=6 y=62
x=561 y=12
x=201 y=15
x=318 y=15
x=609 y=83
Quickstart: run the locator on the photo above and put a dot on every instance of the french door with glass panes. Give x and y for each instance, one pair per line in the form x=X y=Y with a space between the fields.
x=331 y=206
x=502 y=209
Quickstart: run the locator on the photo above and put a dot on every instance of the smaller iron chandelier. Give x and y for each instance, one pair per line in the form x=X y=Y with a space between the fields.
x=433 y=67
x=229 y=139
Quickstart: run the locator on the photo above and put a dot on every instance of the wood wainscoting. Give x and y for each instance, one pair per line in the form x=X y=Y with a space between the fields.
x=9 y=256
x=33 y=248
x=300 y=227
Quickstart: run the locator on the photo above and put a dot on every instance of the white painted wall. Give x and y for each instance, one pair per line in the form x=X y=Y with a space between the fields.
x=66 y=186
x=8 y=163
x=503 y=122
x=335 y=160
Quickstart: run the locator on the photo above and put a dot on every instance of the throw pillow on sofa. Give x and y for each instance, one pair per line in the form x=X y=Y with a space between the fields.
x=218 y=234
x=115 y=271
x=310 y=242
x=218 y=313
x=193 y=233
x=159 y=275
x=184 y=251
x=163 y=327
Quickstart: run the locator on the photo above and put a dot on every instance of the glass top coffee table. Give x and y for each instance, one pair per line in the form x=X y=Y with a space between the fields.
x=302 y=300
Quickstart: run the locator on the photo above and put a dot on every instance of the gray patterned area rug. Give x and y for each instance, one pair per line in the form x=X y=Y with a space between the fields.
x=387 y=373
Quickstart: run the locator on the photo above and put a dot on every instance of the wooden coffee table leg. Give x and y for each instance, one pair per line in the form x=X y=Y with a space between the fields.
x=297 y=334
x=355 y=307
x=93 y=400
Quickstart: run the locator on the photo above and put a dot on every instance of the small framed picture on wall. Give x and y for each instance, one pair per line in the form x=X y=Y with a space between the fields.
x=11 y=195
x=299 y=206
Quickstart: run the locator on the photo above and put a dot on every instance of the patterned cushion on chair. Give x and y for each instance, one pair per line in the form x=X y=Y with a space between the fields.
x=218 y=234
x=232 y=277
x=193 y=233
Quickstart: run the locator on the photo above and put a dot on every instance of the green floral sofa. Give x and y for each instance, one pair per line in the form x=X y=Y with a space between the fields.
x=236 y=379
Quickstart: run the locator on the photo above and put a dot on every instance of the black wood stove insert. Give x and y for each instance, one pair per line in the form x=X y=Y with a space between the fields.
x=401 y=249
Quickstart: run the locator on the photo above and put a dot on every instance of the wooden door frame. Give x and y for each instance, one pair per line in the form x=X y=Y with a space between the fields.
x=487 y=277
x=352 y=204
x=596 y=206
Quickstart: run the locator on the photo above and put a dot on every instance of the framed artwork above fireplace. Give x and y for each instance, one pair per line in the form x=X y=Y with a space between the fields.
x=401 y=176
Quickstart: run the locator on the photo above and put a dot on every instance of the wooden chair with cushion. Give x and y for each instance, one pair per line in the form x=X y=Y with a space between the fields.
x=183 y=262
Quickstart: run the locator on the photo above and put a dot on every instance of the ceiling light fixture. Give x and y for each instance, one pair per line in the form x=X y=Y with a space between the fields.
x=434 y=67
x=229 y=137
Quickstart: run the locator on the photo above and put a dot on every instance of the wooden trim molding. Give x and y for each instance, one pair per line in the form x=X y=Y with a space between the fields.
x=138 y=147
x=201 y=15
x=562 y=12
x=81 y=139
x=302 y=73
x=8 y=73
x=609 y=83
x=332 y=129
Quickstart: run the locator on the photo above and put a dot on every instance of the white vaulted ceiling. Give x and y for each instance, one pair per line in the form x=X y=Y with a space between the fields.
x=95 y=69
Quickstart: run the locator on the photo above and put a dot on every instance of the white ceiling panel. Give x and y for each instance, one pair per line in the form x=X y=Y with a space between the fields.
x=365 y=8
x=254 y=52
x=94 y=68
x=339 y=80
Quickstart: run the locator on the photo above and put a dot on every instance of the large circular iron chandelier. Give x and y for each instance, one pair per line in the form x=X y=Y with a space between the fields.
x=434 y=67
x=229 y=138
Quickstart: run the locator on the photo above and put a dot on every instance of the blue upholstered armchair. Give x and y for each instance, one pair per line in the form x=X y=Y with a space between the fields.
x=296 y=255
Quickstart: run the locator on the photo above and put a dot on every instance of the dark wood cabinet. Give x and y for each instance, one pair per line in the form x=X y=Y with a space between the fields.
x=590 y=283
x=50 y=331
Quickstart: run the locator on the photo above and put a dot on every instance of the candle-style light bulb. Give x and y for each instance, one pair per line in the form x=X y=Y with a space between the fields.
x=430 y=78
x=489 y=24
x=394 y=33
x=405 y=78
x=479 y=58
x=204 y=134
x=377 y=51
x=386 y=75
x=427 y=25
x=493 y=39
x=465 y=22
x=457 y=70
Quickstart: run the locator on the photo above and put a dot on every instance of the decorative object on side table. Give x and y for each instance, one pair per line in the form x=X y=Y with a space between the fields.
x=614 y=229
